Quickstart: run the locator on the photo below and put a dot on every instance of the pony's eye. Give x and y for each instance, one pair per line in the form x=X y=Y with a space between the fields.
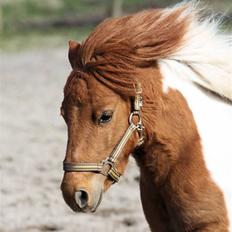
x=105 y=117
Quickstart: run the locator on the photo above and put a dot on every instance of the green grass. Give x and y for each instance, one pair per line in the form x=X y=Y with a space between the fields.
x=12 y=42
x=18 y=35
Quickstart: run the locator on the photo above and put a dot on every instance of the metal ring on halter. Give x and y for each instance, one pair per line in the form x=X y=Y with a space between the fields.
x=138 y=115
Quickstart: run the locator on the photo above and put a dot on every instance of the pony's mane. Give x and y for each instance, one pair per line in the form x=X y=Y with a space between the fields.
x=117 y=46
x=177 y=39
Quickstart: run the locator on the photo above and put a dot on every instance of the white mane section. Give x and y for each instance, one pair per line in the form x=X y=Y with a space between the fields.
x=204 y=56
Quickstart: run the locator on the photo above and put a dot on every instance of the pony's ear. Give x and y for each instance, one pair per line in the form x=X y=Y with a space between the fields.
x=72 y=53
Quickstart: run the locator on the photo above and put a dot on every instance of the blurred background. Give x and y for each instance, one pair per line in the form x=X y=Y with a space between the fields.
x=33 y=70
x=50 y=23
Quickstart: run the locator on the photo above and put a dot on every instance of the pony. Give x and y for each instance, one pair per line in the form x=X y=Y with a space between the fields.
x=128 y=94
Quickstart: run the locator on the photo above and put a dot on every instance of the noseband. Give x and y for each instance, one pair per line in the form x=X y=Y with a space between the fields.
x=107 y=166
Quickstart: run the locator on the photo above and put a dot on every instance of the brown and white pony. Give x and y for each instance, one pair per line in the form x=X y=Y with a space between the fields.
x=165 y=50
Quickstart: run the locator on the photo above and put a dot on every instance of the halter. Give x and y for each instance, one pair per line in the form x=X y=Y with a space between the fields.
x=107 y=166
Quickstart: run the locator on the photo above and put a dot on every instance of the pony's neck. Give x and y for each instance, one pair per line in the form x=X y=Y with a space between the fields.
x=173 y=134
x=168 y=120
x=173 y=173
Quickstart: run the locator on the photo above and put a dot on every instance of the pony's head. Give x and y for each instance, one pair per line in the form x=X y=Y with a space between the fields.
x=96 y=118
x=101 y=94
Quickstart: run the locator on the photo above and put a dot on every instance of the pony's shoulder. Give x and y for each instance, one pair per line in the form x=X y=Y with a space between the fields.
x=213 y=118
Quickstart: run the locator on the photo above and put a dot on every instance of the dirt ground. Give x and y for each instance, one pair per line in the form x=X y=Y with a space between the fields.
x=33 y=140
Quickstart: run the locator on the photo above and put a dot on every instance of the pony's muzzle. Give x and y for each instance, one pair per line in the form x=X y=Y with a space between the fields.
x=83 y=191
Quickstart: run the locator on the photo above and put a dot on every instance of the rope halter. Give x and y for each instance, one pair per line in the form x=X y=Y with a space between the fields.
x=107 y=166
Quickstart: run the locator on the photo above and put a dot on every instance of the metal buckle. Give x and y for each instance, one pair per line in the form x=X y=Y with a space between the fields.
x=108 y=169
x=139 y=126
x=140 y=130
x=107 y=165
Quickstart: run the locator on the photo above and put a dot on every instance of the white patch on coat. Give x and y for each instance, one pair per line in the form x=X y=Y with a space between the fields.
x=205 y=57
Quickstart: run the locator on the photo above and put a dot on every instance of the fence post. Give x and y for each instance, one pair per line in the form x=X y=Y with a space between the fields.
x=117 y=8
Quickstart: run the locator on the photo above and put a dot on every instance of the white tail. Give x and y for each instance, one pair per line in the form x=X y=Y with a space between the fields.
x=204 y=56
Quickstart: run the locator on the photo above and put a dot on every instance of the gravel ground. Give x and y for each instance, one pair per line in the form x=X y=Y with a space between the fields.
x=33 y=140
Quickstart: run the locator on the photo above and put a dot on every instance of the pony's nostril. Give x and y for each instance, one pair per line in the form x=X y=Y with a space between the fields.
x=81 y=198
